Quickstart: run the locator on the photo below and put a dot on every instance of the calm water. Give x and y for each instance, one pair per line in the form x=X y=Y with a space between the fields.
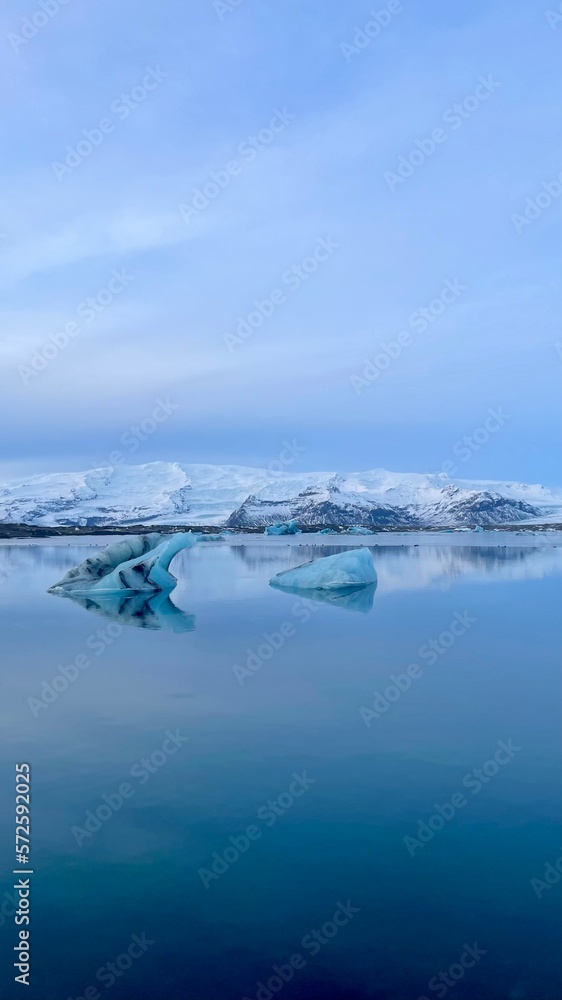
x=367 y=778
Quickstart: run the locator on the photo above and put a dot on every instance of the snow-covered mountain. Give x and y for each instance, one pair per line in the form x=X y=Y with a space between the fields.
x=175 y=493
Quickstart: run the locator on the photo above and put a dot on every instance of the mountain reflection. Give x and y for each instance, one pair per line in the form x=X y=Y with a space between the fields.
x=240 y=568
x=415 y=565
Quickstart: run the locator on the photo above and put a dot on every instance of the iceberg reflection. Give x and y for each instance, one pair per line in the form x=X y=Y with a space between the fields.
x=361 y=599
x=141 y=609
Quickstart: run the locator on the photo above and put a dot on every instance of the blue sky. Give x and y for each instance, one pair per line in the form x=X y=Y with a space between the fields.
x=199 y=81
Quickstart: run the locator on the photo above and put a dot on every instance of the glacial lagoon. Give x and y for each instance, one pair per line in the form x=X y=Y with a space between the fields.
x=240 y=792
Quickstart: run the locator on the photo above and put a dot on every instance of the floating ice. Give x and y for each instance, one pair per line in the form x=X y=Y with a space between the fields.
x=344 y=571
x=285 y=528
x=358 y=530
x=138 y=563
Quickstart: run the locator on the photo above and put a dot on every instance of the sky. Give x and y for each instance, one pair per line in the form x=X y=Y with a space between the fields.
x=301 y=223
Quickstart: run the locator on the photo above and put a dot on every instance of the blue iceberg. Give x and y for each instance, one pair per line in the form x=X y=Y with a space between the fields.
x=358 y=530
x=348 y=570
x=138 y=563
x=285 y=528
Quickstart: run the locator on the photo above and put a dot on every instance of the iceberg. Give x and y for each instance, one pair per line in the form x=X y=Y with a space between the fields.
x=348 y=570
x=138 y=563
x=284 y=528
x=358 y=530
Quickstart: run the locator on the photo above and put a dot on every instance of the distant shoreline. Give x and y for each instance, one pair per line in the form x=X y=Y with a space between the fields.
x=22 y=531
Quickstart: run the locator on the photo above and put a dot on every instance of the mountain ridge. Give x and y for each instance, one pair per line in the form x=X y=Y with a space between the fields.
x=242 y=496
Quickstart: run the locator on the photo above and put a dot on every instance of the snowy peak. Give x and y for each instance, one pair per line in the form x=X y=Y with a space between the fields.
x=162 y=493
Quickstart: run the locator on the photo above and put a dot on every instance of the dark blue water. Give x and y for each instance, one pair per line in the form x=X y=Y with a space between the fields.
x=265 y=818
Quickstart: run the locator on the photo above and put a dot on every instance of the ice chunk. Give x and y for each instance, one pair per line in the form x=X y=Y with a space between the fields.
x=137 y=563
x=95 y=567
x=358 y=530
x=285 y=528
x=344 y=571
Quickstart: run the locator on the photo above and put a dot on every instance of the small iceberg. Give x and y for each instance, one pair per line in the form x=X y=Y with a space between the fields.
x=358 y=530
x=285 y=528
x=348 y=570
x=138 y=563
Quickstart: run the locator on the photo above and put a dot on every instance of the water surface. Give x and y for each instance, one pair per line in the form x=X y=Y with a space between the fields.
x=263 y=686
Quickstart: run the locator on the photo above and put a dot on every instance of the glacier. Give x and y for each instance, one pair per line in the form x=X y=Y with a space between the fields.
x=344 y=571
x=139 y=563
x=239 y=497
